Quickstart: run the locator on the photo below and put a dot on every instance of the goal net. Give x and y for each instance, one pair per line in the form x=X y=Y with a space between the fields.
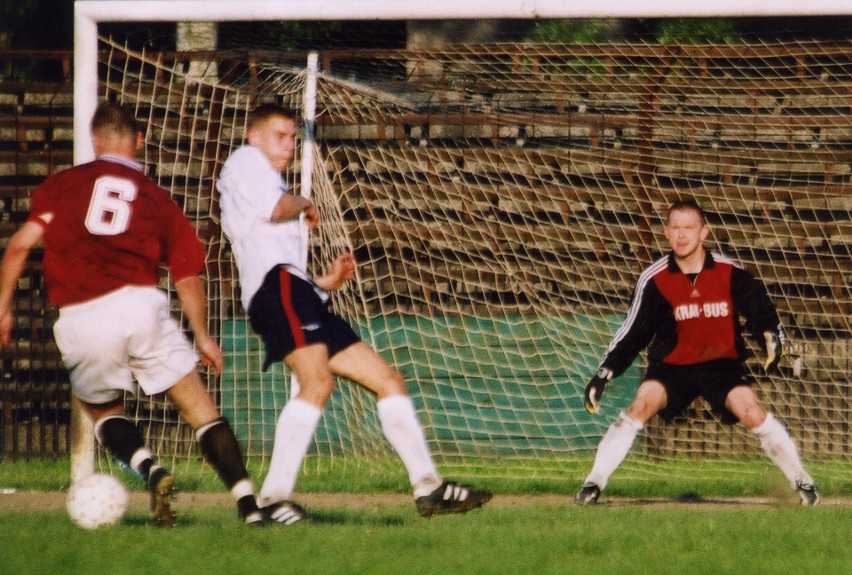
x=501 y=199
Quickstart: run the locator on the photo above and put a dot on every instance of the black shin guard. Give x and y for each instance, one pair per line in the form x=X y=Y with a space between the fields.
x=120 y=436
x=221 y=450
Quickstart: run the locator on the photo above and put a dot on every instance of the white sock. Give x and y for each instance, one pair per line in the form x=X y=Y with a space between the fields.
x=779 y=447
x=402 y=429
x=293 y=435
x=242 y=488
x=613 y=448
x=139 y=456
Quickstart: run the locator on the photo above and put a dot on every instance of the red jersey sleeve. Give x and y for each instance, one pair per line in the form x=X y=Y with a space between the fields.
x=184 y=253
x=40 y=203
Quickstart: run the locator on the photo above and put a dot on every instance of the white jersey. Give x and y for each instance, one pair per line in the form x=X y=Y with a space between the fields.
x=250 y=187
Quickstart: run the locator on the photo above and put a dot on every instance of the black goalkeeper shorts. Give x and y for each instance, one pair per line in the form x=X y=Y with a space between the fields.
x=712 y=381
x=289 y=312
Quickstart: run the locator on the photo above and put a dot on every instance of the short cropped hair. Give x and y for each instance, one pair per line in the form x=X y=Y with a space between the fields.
x=264 y=112
x=115 y=119
x=687 y=204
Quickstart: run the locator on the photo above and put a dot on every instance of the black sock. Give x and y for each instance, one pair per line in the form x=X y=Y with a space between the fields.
x=246 y=505
x=221 y=450
x=144 y=468
x=153 y=476
x=120 y=436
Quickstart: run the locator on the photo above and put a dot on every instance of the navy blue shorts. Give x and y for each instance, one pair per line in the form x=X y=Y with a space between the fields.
x=289 y=312
x=712 y=381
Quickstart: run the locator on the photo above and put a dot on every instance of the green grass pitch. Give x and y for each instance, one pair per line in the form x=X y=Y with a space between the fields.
x=530 y=527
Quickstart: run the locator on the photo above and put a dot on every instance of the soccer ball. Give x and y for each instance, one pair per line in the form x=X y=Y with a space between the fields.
x=97 y=500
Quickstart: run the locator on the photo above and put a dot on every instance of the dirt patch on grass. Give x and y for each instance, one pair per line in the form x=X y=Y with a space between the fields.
x=42 y=501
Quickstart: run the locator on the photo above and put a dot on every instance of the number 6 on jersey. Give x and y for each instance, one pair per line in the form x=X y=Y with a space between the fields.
x=109 y=209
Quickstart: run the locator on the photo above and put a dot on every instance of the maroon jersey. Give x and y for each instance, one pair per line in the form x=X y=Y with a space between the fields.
x=111 y=227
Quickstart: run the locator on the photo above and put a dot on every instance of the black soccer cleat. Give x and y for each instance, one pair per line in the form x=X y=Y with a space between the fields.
x=249 y=512
x=807 y=493
x=588 y=494
x=450 y=497
x=161 y=485
x=283 y=513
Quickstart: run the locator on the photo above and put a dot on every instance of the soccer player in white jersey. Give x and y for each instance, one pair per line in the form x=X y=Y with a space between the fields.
x=106 y=228
x=291 y=312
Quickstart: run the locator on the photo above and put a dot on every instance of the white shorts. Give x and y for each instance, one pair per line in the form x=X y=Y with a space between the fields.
x=124 y=338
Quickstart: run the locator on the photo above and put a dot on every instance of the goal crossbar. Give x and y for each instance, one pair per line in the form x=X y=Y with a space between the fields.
x=88 y=13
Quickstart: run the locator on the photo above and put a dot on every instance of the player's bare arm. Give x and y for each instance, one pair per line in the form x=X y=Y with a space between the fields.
x=342 y=270
x=190 y=290
x=14 y=260
x=291 y=206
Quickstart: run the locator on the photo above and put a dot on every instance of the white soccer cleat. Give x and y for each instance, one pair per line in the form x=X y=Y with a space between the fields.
x=284 y=513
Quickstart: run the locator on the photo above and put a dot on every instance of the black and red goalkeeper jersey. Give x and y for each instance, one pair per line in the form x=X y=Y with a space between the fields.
x=685 y=320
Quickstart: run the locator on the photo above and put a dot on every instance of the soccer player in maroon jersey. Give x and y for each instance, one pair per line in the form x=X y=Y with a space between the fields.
x=685 y=309
x=106 y=228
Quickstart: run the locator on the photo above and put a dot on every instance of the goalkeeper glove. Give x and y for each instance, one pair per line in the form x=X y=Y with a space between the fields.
x=594 y=389
x=774 y=350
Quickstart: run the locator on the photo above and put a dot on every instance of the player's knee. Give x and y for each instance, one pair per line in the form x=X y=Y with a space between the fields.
x=316 y=391
x=752 y=416
x=97 y=411
x=650 y=399
x=392 y=384
x=742 y=403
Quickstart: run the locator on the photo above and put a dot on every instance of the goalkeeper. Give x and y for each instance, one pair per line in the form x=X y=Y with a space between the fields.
x=685 y=309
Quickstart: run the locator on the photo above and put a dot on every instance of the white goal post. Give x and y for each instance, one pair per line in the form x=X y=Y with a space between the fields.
x=90 y=13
